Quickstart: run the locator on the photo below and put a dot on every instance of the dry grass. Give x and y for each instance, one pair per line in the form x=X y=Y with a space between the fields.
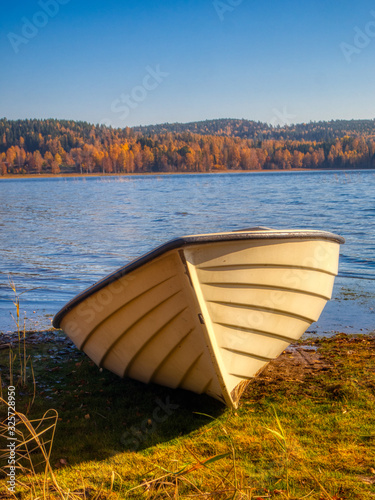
x=305 y=429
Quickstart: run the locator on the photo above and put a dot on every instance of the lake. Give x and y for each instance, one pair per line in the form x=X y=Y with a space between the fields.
x=60 y=235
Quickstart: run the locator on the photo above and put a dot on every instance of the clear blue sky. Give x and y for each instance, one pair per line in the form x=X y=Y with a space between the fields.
x=272 y=61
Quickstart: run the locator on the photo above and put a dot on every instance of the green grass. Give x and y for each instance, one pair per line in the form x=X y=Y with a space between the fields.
x=311 y=436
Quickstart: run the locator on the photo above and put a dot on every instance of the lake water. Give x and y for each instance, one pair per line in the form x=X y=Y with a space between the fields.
x=59 y=236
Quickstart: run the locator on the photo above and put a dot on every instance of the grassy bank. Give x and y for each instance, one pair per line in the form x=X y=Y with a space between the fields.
x=305 y=429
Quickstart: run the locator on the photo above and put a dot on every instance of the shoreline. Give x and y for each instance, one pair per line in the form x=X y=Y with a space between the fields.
x=56 y=335
x=133 y=174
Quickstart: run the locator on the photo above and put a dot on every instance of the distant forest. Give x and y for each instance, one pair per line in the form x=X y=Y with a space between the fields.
x=62 y=146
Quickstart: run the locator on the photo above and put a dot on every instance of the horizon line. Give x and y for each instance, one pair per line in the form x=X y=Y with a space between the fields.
x=269 y=125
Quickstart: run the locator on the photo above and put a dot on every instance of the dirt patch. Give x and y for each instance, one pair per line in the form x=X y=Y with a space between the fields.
x=294 y=365
x=321 y=369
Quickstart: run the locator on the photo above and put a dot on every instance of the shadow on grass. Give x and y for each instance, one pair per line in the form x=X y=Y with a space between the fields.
x=101 y=415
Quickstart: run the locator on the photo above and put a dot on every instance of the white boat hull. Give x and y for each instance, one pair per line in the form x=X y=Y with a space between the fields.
x=209 y=314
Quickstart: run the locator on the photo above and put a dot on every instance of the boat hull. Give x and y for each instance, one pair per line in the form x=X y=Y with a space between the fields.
x=206 y=314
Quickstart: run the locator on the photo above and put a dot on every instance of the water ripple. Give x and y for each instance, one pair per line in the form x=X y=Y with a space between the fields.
x=61 y=235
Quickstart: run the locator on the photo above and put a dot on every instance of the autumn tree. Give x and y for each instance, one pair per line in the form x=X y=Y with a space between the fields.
x=147 y=159
x=3 y=165
x=55 y=166
x=48 y=159
x=11 y=157
x=297 y=159
x=77 y=156
x=37 y=162
x=107 y=164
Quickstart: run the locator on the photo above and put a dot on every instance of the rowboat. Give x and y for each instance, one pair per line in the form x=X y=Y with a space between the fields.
x=208 y=312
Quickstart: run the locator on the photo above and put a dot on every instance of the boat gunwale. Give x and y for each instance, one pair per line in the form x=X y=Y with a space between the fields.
x=186 y=241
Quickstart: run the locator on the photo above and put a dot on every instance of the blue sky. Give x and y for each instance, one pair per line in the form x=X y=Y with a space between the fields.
x=129 y=63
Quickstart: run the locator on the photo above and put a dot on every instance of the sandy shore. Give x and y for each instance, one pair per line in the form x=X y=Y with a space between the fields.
x=128 y=174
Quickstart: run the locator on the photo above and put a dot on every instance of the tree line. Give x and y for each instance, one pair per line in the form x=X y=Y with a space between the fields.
x=322 y=131
x=53 y=146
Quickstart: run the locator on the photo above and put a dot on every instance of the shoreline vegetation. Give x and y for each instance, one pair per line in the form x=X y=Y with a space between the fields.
x=63 y=147
x=304 y=428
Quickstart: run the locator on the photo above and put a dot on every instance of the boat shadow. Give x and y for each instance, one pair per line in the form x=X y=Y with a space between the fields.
x=156 y=414
x=102 y=415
